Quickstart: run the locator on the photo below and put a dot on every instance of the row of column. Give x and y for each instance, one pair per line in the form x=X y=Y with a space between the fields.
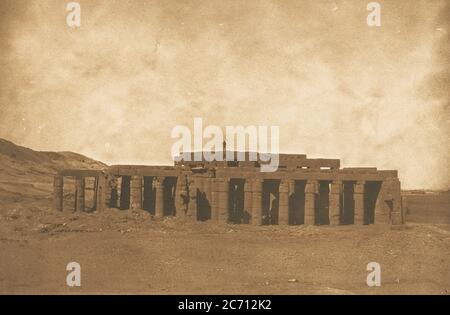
x=136 y=194
x=216 y=192
x=253 y=200
x=80 y=186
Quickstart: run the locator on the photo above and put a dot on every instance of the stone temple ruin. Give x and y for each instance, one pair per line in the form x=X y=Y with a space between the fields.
x=302 y=191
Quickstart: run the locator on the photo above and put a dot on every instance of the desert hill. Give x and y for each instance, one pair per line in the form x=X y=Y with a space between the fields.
x=27 y=175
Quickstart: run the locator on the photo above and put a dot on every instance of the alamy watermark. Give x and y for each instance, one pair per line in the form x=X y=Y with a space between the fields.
x=73 y=18
x=374 y=277
x=73 y=278
x=374 y=17
x=240 y=143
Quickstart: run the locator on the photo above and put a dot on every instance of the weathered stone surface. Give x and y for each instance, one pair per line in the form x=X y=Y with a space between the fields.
x=283 y=208
x=210 y=181
x=248 y=200
x=311 y=191
x=335 y=202
x=136 y=192
x=223 y=188
x=256 y=202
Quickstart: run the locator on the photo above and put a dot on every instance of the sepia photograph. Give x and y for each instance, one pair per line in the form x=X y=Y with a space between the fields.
x=197 y=148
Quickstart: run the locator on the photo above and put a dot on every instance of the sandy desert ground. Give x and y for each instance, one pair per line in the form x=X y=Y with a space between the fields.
x=130 y=252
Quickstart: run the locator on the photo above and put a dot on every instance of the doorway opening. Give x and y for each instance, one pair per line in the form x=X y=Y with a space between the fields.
x=371 y=191
x=322 y=209
x=203 y=206
x=149 y=195
x=125 y=192
x=347 y=212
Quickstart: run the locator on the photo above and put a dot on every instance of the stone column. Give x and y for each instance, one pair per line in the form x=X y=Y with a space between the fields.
x=107 y=191
x=395 y=192
x=100 y=203
x=79 y=186
x=293 y=212
x=248 y=200
x=215 y=200
x=311 y=191
x=136 y=192
x=159 y=198
x=96 y=188
x=181 y=197
x=358 y=196
x=58 y=192
x=192 y=191
x=257 y=202
x=283 y=204
x=335 y=202
x=223 y=186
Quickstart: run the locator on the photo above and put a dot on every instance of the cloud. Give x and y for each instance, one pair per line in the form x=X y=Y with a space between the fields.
x=116 y=87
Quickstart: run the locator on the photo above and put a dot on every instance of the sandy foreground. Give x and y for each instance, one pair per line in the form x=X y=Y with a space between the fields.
x=129 y=252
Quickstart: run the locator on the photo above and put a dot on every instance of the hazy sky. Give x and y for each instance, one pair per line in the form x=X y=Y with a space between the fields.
x=114 y=88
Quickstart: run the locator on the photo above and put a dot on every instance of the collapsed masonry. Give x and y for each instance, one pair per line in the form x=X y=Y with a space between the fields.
x=302 y=191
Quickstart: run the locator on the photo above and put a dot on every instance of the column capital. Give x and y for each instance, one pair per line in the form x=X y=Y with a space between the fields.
x=359 y=187
x=291 y=184
x=225 y=179
x=158 y=181
x=336 y=187
x=284 y=186
x=312 y=186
